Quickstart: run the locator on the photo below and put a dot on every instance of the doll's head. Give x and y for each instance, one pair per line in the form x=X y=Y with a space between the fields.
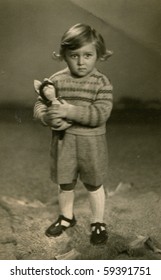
x=45 y=89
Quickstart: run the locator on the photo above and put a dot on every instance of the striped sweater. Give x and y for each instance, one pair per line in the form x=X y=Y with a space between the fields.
x=92 y=99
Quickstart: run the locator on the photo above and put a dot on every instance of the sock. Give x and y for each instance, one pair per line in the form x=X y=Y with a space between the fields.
x=97 y=203
x=66 y=201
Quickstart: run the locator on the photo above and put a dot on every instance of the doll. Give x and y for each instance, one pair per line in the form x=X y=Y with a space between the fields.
x=47 y=92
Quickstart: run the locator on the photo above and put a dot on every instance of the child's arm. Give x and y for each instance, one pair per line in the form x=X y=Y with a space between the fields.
x=40 y=110
x=93 y=115
x=41 y=113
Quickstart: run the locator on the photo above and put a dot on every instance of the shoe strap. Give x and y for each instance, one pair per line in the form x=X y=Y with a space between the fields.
x=63 y=218
x=98 y=225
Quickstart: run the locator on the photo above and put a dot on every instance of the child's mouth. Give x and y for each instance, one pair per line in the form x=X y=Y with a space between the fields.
x=81 y=69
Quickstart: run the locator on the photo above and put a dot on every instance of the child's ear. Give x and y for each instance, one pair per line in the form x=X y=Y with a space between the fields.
x=37 y=85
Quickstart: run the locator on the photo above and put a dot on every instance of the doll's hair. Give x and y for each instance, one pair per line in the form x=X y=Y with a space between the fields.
x=78 y=36
x=41 y=92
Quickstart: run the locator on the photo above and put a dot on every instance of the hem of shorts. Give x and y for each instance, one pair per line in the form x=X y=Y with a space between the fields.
x=60 y=182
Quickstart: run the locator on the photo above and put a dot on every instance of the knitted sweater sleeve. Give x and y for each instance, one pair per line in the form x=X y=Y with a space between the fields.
x=40 y=109
x=97 y=112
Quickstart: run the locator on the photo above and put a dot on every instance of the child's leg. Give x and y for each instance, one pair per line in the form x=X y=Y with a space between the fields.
x=66 y=200
x=66 y=218
x=97 y=202
x=98 y=227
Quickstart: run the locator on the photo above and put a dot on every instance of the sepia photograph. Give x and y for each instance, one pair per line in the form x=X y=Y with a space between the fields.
x=80 y=122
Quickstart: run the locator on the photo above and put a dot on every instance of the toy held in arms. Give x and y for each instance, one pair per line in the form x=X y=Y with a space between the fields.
x=47 y=92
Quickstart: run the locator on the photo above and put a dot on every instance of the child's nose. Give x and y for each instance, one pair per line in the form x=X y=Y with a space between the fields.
x=80 y=60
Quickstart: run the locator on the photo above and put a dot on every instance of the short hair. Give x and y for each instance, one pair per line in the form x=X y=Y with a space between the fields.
x=78 y=36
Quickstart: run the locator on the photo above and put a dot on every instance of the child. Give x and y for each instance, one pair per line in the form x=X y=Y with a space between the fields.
x=86 y=103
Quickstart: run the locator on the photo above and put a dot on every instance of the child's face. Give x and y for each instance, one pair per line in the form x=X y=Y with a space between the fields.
x=81 y=61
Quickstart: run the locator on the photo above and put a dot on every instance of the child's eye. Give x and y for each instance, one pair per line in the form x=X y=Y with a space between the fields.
x=73 y=56
x=88 y=55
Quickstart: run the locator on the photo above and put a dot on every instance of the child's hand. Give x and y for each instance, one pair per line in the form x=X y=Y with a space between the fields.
x=59 y=110
x=55 y=123
x=50 y=121
x=64 y=125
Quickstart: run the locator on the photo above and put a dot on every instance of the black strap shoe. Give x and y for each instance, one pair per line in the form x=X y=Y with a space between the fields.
x=99 y=233
x=57 y=228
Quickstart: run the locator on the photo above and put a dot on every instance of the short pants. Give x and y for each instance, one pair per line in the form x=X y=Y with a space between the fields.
x=78 y=156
